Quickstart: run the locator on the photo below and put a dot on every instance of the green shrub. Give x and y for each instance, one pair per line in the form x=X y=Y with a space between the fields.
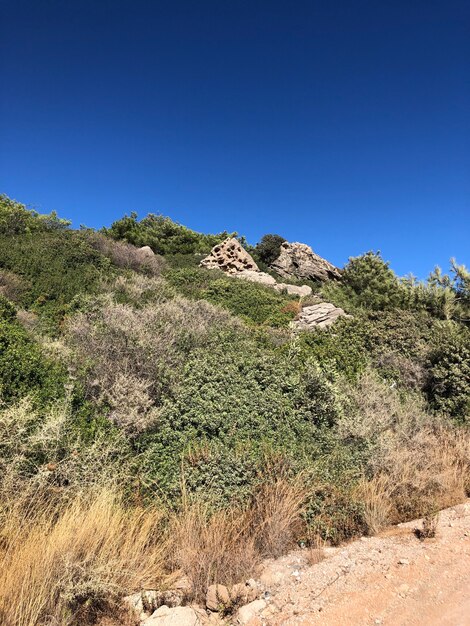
x=58 y=266
x=7 y=310
x=269 y=248
x=16 y=219
x=367 y=282
x=163 y=235
x=251 y=301
x=24 y=369
x=448 y=387
x=239 y=394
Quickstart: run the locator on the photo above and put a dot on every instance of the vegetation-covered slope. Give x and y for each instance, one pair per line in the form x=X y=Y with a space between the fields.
x=155 y=388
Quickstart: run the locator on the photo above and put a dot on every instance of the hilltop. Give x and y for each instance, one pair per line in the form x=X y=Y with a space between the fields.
x=178 y=406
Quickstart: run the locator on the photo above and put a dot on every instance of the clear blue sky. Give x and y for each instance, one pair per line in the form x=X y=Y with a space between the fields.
x=344 y=124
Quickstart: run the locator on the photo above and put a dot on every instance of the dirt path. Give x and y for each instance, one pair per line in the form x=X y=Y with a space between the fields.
x=390 y=580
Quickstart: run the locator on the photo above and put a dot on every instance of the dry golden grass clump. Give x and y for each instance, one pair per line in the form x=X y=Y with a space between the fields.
x=67 y=564
x=418 y=463
x=227 y=546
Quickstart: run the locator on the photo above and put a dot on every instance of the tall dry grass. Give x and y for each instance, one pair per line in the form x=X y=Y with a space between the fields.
x=416 y=463
x=227 y=546
x=66 y=565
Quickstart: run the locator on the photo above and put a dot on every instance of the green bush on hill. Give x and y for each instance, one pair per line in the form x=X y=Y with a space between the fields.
x=163 y=235
x=251 y=301
x=24 y=368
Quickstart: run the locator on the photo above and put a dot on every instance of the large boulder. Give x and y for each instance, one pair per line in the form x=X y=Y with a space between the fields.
x=230 y=257
x=318 y=316
x=299 y=261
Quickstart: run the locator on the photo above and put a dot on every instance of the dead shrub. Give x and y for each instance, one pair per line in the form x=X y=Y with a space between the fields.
x=125 y=255
x=27 y=319
x=410 y=373
x=429 y=527
x=12 y=286
x=294 y=307
x=134 y=355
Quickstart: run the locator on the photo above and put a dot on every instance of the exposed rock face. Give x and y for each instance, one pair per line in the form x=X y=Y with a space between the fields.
x=269 y=281
x=318 y=316
x=294 y=290
x=230 y=257
x=300 y=261
x=257 y=277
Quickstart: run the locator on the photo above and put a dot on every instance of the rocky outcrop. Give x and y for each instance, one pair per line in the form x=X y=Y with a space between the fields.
x=294 y=290
x=318 y=316
x=230 y=257
x=217 y=597
x=266 y=279
x=297 y=260
x=221 y=598
x=257 y=277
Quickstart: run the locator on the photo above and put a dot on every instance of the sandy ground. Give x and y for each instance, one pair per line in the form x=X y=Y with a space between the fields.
x=393 y=579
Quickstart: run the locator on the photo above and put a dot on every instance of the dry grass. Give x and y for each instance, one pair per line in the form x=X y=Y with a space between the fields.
x=375 y=496
x=418 y=463
x=276 y=514
x=67 y=565
x=429 y=527
x=315 y=550
x=431 y=475
x=226 y=547
x=428 y=472
x=217 y=548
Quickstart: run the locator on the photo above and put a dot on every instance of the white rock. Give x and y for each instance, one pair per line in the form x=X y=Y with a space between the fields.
x=294 y=290
x=229 y=256
x=178 y=616
x=249 y=611
x=146 y=251
x=318 y=316
x=257 y=277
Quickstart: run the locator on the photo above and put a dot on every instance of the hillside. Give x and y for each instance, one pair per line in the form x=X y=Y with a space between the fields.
x=165 y=421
